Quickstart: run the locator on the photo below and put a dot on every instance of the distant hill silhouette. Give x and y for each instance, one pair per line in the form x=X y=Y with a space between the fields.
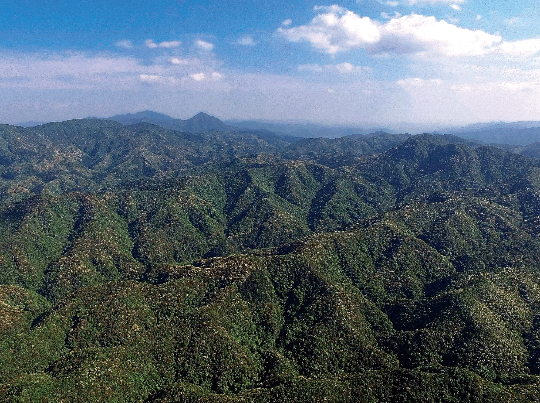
x=201 y=122
x=518 y=133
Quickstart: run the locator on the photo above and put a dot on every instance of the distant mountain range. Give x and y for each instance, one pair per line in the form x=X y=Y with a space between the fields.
x=302 y=129
x=509 y=133
x=515 y=133
x=201 y=122
x=498 y=133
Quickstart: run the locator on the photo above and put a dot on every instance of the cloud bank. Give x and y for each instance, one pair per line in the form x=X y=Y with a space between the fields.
x=337 y=30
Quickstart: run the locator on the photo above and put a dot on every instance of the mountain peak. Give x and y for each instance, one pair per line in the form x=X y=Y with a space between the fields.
x=201 y=122
x=202 y=115
x=204 y=122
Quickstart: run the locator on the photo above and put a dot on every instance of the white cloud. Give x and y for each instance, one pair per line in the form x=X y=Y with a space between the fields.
x=170 y=44
x=341 y=68
x=177 y=61
x=65 y=71
x=204 y=45
x=392 y=3
x=456 y=7
x=287 y=22
x=335 y=31
x=198 y=76
x=524 y=48
x=344 y=68
x=246 y=40
x=420 y=34
x=339 y=30
x=99 y=72
x=126 y=44
x=214 y=76
x=149 y=43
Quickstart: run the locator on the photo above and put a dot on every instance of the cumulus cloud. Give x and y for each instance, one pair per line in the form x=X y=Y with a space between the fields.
x=149 y=43
x=420 y=34
x=246 y=40
x=198 y=76
x=126 y=44
x=214 y=76
x=177 y=61
x=204 y=45
x=337 y=30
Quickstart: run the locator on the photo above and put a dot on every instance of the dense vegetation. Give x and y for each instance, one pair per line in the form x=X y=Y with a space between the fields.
x=139 y=263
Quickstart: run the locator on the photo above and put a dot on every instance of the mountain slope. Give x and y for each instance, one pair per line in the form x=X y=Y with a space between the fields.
x=87 y=154
x=373 y=307
x=146 y=264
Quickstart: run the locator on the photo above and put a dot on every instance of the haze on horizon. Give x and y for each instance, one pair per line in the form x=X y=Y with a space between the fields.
x=363 y=62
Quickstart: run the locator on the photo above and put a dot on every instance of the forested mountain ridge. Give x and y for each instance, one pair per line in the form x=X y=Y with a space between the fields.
x=139 y=263
x=90 y=153
x=201 y=122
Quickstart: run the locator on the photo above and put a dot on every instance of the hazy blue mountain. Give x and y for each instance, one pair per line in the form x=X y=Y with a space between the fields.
x=505 y=136
x=492 y=125
x=201 y=122
x=309 y=130
x=515 y=133
x=144 y=116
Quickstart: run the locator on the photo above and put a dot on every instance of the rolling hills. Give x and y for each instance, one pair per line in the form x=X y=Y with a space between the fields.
x=140 y=263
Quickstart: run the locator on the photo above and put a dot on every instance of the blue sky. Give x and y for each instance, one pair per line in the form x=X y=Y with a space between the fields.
x=363 y=62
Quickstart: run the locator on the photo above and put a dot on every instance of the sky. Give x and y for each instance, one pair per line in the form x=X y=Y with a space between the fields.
x=364 y=62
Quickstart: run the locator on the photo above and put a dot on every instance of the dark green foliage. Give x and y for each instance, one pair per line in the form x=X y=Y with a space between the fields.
x=142 y=264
